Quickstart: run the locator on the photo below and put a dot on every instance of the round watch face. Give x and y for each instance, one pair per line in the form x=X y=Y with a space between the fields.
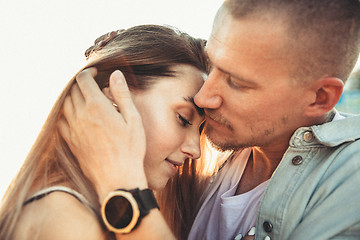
x=121 y=212
x=118 y=212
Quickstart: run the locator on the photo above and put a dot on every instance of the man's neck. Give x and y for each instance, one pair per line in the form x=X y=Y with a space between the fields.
x=263 y=161
x=259 y=168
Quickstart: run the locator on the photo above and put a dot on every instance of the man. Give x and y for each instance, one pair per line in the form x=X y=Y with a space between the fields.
x=278 y=71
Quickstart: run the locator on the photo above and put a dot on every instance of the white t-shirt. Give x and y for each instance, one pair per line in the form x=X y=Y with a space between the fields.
x=223 y=215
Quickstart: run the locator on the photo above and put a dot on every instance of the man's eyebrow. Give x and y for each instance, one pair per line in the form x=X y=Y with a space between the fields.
x=200 y=111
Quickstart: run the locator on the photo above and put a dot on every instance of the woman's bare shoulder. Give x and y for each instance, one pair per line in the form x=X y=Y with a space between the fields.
x=59 y=215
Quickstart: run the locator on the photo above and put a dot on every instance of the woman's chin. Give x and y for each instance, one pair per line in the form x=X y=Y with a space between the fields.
x=158 y=184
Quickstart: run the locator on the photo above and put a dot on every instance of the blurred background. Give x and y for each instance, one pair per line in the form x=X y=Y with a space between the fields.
x=42 y=44
x=350 y=99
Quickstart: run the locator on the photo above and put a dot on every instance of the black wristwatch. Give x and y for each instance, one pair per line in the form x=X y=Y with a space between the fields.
x=123 y=209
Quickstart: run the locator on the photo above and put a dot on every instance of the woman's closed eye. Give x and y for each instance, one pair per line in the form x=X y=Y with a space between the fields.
x=183 y=121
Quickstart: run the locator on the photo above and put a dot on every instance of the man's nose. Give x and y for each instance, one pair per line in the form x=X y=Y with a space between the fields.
x=209 y=96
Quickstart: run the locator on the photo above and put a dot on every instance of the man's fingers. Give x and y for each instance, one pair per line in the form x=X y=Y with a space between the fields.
x=121 y=95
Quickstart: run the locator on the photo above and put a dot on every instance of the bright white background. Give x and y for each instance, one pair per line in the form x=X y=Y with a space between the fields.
x=41 y=47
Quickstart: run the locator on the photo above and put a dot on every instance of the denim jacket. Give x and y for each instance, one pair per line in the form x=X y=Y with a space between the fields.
x=315 y=191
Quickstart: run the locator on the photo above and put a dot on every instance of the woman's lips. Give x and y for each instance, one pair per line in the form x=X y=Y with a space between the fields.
x=177 y=164
x=172 y=166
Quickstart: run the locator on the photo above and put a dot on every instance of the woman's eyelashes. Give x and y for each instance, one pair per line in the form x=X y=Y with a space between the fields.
x=183 y=121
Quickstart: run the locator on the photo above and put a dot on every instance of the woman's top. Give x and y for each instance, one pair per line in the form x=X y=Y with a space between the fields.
x=46 y=191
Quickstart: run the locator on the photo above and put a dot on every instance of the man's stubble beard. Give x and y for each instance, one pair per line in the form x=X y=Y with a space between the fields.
x=226 y=145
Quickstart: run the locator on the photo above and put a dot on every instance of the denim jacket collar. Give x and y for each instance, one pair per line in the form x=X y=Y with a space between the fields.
x=343 y=128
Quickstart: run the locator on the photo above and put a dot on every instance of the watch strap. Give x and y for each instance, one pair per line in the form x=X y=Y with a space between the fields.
x=146 y=200
x=121 y=217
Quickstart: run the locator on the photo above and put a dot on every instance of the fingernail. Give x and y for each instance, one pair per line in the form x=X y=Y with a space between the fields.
x=252 y=231
x=238 y=237
x=119 y=77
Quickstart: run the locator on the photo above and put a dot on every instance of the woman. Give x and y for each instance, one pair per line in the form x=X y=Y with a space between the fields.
x=164 y=69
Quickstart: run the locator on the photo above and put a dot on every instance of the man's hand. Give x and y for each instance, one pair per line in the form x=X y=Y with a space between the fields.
x=110 y=146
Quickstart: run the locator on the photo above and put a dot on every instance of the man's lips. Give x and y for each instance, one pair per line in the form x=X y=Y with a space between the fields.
x=216 y=120
x=211 y=120
x=211 y=116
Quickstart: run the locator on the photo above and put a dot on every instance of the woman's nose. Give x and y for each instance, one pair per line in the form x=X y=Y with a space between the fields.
x=191 y=146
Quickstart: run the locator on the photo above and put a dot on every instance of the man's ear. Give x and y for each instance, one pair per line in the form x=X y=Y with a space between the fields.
x=328 y=93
